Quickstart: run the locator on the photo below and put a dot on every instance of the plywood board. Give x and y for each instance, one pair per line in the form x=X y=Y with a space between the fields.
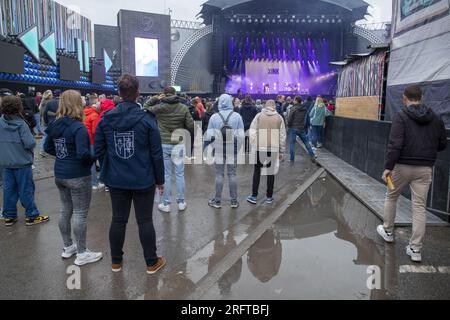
x=366 y=108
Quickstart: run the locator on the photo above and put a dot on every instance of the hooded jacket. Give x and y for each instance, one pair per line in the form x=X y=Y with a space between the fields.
x=297 y=117
x=91 y=121
x=128 y=145
x=417 y=135
x=105 y=106
x=248 y=113
x=235 y=122
x=68 y=140
x=268 y=132
x=171 y=115
x=318 y=115
x=16 y=142
x=200 y=109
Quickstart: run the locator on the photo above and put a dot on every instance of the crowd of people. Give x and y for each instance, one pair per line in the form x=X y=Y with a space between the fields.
x=138 y=144
x=130 y=140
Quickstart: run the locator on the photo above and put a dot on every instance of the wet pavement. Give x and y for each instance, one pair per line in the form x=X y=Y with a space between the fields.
x=31 y=255
x=320 y=248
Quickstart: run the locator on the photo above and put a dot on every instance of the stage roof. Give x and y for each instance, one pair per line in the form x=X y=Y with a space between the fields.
x=355 y=8
x=346 y=4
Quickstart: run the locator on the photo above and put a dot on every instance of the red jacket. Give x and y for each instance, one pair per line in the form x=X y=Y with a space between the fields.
x=105 y=106
x=91 y=121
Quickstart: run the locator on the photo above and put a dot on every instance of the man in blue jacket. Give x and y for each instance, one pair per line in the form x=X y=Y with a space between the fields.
x=128 y=145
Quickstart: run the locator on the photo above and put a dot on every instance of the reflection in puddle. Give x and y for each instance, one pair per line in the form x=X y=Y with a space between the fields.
x=320 y=248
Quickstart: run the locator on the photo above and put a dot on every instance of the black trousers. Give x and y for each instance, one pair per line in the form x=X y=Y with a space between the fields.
x=257 y=174
x=143 y=206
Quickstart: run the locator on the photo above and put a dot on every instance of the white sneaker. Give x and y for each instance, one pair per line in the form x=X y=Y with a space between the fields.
x=182 y=206
x=163 y=208
x=95 y=188
x=69 y=252
x=416 y=256
x=88 y=257
x=106 y=189
x=388 y=237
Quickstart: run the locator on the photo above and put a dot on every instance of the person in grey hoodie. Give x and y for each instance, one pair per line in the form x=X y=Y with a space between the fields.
x=17 y=144
x=226 y=129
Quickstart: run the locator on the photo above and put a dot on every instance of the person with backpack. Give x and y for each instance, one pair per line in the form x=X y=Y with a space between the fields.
x=128 y=145
x=268 y=141
x=16 y=160
x=172 y=115
x=226 y=131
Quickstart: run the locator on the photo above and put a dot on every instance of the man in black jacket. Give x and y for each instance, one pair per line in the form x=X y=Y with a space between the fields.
x=417 y=135
x=248 y=113
x=52 y=107
x=296 y=123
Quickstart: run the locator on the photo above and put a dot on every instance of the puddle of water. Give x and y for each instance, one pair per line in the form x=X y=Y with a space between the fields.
x=320 y=248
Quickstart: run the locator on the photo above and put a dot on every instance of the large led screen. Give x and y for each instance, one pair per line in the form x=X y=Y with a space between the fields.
x=147 y=59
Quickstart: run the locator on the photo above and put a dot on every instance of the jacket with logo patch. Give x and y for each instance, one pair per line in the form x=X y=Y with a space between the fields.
x=128 y=145
x=68 y=140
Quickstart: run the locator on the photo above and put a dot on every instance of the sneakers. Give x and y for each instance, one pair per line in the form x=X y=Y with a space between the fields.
x=234 y=204
x=43 y=154
x=319 y=146
x=164 y=208
x=98 y=186
x=69 y=252
x=36 y=220
x=158 y=266
x=252 y=200
x=106 y=189
x=116 y=267
x=388 y=237
x=416 y=256
x=270 y=200
x=182 y=206
x=88 y=257
x=10 y=221
x=216 y=204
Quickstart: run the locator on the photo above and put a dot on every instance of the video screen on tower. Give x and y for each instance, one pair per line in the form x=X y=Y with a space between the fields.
x=147 y=59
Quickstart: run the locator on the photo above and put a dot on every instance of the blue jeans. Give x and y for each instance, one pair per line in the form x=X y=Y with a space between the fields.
x=75 y=197
x=19 y=184
x=37 y=117
x=169 y=162
x=44 y=137
x=317 y=135
x=94 y=177
x=293 y=134
x=220 y=177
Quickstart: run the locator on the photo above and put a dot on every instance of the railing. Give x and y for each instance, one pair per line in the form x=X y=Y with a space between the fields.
x=375 y=26
x=363 y=144
x=186 y=24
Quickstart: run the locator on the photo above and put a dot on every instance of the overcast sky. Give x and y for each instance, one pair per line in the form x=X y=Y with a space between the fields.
x=105 y=11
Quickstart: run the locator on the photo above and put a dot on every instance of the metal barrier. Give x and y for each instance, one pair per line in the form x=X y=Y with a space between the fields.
x=363 y=144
